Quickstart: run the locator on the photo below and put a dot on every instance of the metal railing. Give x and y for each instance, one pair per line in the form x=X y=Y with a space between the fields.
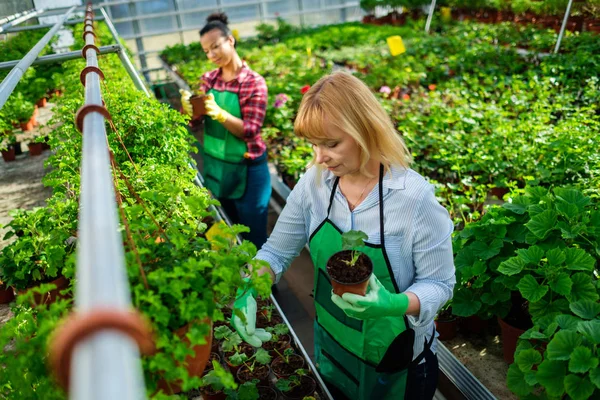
x=14 y=76
x=106 y=365
x=9 y=18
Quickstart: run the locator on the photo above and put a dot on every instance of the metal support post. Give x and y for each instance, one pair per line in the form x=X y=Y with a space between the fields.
x=301 y=12
x=17 y=21
x=60 y=57
x=139 y=43
x=43 y=26
x=563 y=27
x=14 y=76
x=137 y=80
x=178 y=20
x=430 y=16
x=106 y=365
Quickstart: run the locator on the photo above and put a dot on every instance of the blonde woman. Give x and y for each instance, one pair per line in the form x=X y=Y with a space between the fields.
x=381 y=345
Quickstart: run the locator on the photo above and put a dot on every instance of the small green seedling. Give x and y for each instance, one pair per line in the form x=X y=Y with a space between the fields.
x=285 y=385
x=231 y=340
x=287 y=353
x=261 y=357
x=268 y=311
x=350 y=241
x=277 y=331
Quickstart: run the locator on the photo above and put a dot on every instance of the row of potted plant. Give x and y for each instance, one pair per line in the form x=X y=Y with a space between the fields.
x=176 y=275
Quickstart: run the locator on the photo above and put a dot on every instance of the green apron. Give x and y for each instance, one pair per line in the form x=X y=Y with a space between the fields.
x=225 y=168
x=365 y=359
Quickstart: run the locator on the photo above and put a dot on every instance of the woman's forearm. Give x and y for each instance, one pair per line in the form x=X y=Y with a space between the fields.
x=235 y=126
x=414 y=304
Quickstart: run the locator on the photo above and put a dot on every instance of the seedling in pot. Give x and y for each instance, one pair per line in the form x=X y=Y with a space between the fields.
x=287 y=353
x=287 y=385
x=267 y=311
x=350 y=241
x=256 y=367
x=229 y=340
x=277 y=331
x=350 y=269
x=287 y=363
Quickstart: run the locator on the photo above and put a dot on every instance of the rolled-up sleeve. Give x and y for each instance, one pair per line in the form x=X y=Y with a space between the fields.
x=432 y=257
x=290 y=233
x=254 y=107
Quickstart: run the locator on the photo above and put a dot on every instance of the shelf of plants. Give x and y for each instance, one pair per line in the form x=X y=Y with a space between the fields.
x=179 y=279
x=509 y=140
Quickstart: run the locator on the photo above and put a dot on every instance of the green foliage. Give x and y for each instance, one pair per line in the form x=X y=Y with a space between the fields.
x=294 y=380
x=543 y=244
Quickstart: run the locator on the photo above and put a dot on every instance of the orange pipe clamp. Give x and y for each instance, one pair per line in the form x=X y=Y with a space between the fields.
x=79 y=327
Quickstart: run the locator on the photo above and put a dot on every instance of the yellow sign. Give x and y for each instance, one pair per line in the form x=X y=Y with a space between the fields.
x=217 y=230
x=446 y=13
x=396 y=45
x=236 y=34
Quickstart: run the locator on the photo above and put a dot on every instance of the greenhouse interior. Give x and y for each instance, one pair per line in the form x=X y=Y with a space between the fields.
x=300 y=199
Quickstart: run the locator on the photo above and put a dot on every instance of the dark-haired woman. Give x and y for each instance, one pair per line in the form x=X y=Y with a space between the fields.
x=235 y=158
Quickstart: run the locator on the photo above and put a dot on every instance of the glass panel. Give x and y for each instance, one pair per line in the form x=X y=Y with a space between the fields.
x=125 y=29
x=311 y=4
x=195 y=20
x=120 y=11
x=237 y=14
x=191 y=4
x=282 y=7
x=154 y=7
x=333 y=2
x=225 y=2
x=159 y=24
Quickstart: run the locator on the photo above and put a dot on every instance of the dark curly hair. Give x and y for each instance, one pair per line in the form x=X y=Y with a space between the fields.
x=218 y=21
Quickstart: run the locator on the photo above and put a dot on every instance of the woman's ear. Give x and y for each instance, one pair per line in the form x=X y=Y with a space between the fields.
x=231 y=40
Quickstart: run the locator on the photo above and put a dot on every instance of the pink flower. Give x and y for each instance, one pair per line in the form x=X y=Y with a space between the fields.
x=385 y=89
x=280 y=100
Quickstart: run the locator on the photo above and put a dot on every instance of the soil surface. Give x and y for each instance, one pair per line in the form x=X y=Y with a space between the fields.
x=260 y=372
x=282 y=344
x=263 y=322
x=482 y=355
x=281 y=369
x=339 y=270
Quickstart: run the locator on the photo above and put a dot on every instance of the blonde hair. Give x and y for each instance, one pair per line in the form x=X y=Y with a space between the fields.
x=350 y=106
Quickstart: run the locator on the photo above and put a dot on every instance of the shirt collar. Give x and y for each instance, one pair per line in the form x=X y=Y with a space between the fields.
x=395 y=178
x=241 y=77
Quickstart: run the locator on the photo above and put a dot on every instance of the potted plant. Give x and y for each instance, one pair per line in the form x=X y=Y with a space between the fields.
x=8 y=141
x=265 y=318
x=235 y=352
x=296 y=386
x=35 y=147
x=215 y=382
x=255 y=367
x=197 y=101
x=287 y=363
x=446 y=323
x=280 y=340
x=350 y=269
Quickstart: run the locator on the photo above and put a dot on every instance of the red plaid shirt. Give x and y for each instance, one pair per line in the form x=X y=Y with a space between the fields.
x=252 y=90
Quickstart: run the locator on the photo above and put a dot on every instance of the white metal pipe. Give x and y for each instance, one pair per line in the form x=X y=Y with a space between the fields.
x=43 y=26
x=8 y=84
x=563 y=27
x=14 y=16
x=430 y=16
x=106 y=365
x=18 y=20
x=137 y=80
x=60 y=57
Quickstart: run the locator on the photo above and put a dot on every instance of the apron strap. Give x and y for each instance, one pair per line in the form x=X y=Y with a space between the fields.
x=426 y=348
x=381 y=235
x=331 y=197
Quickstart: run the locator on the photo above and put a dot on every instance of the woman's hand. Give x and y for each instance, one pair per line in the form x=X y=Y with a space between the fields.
x=246 y=327
x=214 y=111
x=377 y=303
x=185 y=102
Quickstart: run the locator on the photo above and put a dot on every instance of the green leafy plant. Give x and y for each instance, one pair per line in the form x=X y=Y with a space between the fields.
x=260 y=357
x=539 y=244
x=277 y=331
x=293 y=381
x=350 y=241
x=287 y=354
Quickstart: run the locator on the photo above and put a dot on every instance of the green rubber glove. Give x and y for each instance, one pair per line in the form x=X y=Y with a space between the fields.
x=246 y=303
x=378 y=302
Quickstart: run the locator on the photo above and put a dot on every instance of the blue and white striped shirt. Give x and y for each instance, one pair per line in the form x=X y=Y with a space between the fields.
x=417 y=235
